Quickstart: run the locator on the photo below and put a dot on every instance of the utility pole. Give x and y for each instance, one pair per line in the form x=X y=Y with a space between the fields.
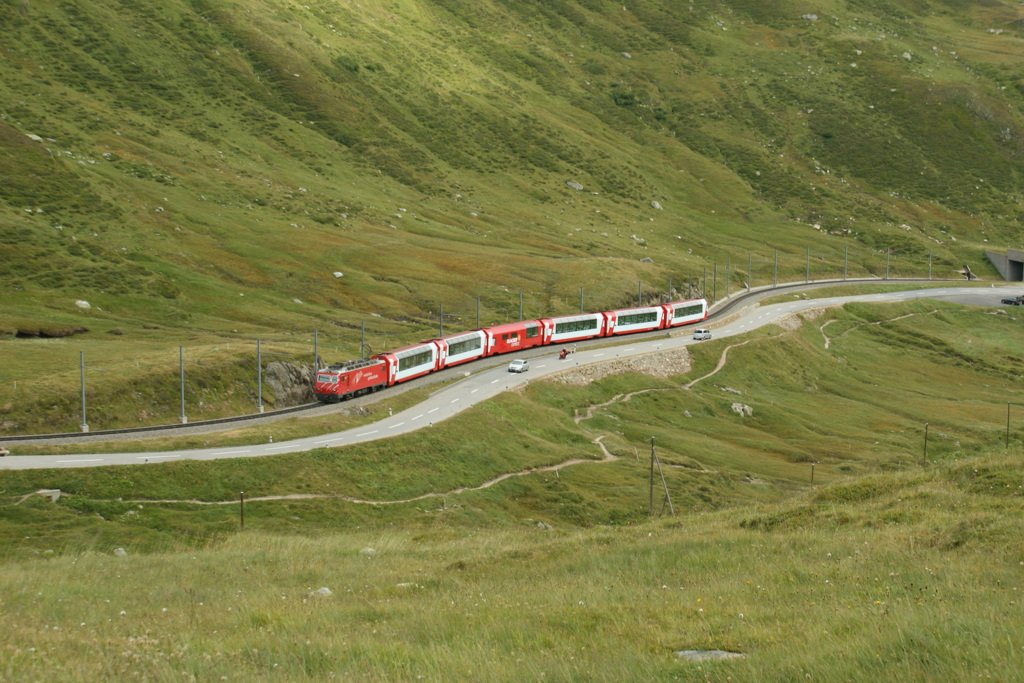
x=181 y=372
x=650 y=487
x=728 y=276
x=924 y=459
x=81 y=372
x=362 y=340
x=1007 y=424
x=259 y=377
x=664 y=484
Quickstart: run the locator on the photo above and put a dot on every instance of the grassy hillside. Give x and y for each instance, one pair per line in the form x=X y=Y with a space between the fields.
x=898 y=566
x=907 y=577
x=198 y=171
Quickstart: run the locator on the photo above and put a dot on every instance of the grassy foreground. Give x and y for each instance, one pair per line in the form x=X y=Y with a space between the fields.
x=914 y=576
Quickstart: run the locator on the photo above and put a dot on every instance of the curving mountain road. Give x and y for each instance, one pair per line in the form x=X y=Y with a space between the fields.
x=734 y=317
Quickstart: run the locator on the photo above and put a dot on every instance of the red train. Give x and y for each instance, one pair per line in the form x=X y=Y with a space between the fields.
x=354 y=378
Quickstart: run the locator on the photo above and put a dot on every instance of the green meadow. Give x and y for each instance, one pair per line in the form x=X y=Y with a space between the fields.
x=842 y=500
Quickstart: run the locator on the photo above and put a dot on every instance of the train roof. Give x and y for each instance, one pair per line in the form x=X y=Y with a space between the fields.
x=410 y=347
x=353 y=365
x=508 y=327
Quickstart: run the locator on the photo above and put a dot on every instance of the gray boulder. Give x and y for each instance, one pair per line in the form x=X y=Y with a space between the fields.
x=290 y=383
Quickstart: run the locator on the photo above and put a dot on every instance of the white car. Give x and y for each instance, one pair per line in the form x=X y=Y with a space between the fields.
x=519 y=365
x=702 y=333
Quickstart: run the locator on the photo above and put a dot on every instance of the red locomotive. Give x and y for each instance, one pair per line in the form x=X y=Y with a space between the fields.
x=354 y=378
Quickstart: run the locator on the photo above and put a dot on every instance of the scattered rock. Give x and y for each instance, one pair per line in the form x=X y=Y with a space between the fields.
x=338 y=274
x=543 y=525
x=53 y=495
x=742 y=409
x=322 y=592
x=810 y=17
x=83 y=304
x=368 y=552
x=120 y=552
x=656 y=205
x=646 y=259
x=574 y=185
x=708 y=655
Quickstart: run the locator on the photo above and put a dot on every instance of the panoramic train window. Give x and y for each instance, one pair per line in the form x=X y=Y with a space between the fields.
x=412 y=361
x=576 y=326
x=634 y=318
x=471 y=344
x=688 y=310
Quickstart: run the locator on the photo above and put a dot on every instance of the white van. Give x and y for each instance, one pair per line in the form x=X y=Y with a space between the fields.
x=702 y=333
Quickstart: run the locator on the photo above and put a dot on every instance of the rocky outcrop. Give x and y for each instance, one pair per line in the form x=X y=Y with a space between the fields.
x=290 y=383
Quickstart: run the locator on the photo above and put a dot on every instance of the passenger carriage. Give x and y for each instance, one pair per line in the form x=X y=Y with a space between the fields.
x=412 y=361
x=686 y=312
x=630 y=320
x=462 y=348
x=574 y=327
x=512 y=337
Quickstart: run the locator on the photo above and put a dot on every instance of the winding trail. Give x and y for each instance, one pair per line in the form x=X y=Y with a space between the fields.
x=722 y=360
x=606 y=456
x=828 y=342
x=617 y=398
